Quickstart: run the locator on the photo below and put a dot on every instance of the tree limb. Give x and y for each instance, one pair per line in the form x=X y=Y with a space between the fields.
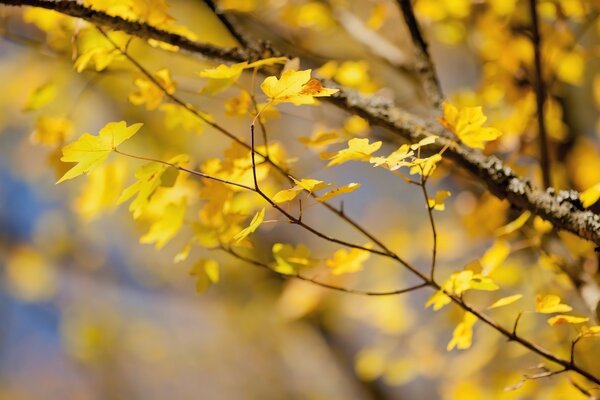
x=563 y=209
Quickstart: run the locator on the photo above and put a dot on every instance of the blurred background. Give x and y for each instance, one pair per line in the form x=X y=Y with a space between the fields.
x=87 y=312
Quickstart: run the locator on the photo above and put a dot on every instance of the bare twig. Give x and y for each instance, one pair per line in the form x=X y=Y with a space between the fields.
x=323 y=284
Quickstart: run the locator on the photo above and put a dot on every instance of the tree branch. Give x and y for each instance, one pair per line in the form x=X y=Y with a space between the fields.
x=562 y=209
x=540 y=95
x=424 y=64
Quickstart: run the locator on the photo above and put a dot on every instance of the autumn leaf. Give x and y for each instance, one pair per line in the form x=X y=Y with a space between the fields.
x=149 y=178
x=437 y=203
x=347 y=261
x=467 y=124
x=257 y=220
x=90 y=151
x=289 y=259
x=357 y=150
x=294 y=87
x=41 y=96
x=566 y=319
x=504 y=301
x=590 y=196
x=149 y=93
x=206 y=272
x=550 y=303
x=166 y=226
x=351 y=187
x=514 y=225
x=463 y=333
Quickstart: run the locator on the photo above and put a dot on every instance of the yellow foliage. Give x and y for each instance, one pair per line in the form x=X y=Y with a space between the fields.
x=347 y=261
x=90 y=151
x=550 y=303
x=463 y=334
x=296 y=87
x=467 y=124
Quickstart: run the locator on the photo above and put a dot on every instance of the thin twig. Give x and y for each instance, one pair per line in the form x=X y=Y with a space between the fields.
x=540 y=95
x=323 y=284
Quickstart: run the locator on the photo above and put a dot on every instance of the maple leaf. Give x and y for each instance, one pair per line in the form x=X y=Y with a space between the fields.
x=294 y=87
x=467 y=124
x=90 y=151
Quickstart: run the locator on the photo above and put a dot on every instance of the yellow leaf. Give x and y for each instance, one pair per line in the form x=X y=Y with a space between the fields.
x=515 y=225
x=167 y=226
x=351 y=187
x=357 y=150
x=294 y=87
x=290 y=259
x=320 y=139
x=549 y=304
x=267 y=62
x=286 y=195
x=258 y=219
x=438 y=202
x=238 y=106
x=467 y=124
x=51 y=130
x=40 y=97
x=149 y=92
x=566 y=319
x=377 y=18
x=221 y=77
x=345 y=262
x=28 y=275
x=178 y=117
x=590 y=196
x=425 y=166
x=94 y=48
x=149 y=178
x=101 y=190
x=505 y=301
x=438 y=300
x=356 y=125
x=90 y=151
x=206 y=273
x=494 y=256
x=311 y=185
x=395 y=160
x=463 y=333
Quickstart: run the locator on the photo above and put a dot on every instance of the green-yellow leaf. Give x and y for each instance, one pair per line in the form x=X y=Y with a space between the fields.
x=345 y=262
x=290 y=259
x=438 y=202
x=90 y=151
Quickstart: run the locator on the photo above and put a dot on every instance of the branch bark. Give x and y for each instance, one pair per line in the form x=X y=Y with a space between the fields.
x=563 y=209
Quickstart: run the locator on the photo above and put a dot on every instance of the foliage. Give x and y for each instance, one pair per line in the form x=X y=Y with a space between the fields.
x=229 y=165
